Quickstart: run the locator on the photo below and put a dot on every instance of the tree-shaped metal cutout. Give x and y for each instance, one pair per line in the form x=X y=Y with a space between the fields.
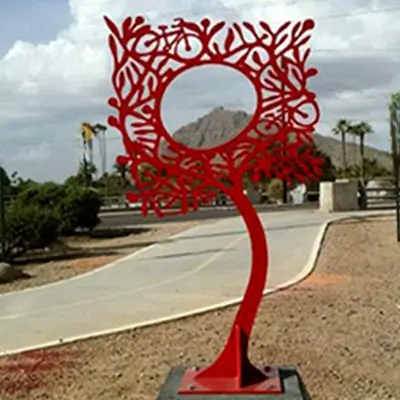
x=173 y=178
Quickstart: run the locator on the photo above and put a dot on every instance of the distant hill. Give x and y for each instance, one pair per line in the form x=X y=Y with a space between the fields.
x=220 y=125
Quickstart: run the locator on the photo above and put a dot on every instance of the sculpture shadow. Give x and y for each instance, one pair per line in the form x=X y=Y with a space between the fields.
x=241 y=232
x=192 y=253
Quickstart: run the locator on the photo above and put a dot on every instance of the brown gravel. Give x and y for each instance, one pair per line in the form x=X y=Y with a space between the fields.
x=99 y=253
x=340 y=327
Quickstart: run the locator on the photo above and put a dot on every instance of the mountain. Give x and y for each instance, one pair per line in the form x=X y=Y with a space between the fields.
x=220 y=125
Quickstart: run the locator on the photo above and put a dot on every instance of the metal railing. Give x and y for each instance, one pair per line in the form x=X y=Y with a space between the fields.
x=381 y=198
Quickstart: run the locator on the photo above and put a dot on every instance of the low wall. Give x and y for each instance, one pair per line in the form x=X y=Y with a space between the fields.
x=341 y=195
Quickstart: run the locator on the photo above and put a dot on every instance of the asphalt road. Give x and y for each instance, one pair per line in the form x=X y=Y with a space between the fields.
x=117 y=219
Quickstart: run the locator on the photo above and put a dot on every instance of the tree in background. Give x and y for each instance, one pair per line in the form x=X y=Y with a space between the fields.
x=329 y=172
x=122 y=172
x=372 y=170
x=343 y=128
x=361 y=130
x=5 y=178
x=85 y=175
x=89 y=132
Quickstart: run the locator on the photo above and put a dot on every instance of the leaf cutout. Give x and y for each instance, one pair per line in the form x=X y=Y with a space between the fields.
x=121 y=81
x=113 y=121
x=298 y=76
x=230 y=37
x=311 y=72
x=141 y=31
x=296 y=29
x=151 y=84
x=191 y=26
x=257 y=58
x=139 y=20
x=126 y=26
x=113 y=47
x=113 y=102
x=216 y=28
x=303 y=41
x=308 y=25
x=111 y=26
x=266 y=27
x=216 y=48
x=205 y=22
x=282 y=28
x=281 y=40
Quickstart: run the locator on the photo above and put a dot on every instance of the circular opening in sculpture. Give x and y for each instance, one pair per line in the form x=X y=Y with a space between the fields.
x=207 y=106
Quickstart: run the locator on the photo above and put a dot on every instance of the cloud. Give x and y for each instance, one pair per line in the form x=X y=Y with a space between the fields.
x=48 y=89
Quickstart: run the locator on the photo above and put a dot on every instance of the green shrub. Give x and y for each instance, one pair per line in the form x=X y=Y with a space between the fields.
x=48 y=194
x=29 y=227
x=79 y=209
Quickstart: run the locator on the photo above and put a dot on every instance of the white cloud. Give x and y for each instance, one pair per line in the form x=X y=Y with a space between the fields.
x=48 y=89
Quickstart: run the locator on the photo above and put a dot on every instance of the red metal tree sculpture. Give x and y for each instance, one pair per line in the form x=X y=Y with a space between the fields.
x=173 y=178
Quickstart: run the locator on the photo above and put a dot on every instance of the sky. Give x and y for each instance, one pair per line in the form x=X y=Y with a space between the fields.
x=55 y=70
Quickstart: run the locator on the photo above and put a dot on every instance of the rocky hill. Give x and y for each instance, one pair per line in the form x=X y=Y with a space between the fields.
x=219 y=125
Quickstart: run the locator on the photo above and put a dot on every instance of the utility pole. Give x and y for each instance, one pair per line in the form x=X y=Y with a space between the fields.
x=2 y=215
x=394 y=109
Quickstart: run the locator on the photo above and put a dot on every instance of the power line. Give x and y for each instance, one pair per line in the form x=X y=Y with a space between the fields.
x=293 y=3
x=355 y=50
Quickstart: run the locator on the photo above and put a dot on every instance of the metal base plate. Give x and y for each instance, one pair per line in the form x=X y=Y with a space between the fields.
x=293 y=388
x=270 y=385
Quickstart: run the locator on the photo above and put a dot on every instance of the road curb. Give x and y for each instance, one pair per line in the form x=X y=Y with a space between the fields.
x=306 y=271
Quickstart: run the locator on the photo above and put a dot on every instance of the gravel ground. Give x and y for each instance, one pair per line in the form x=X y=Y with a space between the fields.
x=340 y=328
x=100 y=251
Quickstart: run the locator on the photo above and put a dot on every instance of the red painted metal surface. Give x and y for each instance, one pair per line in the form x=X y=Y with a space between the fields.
x=277 y=143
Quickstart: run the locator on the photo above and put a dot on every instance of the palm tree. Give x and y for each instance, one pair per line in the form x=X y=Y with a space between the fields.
x=343 y=127
x=360 y=130
x=86 y=173
x=100 y=132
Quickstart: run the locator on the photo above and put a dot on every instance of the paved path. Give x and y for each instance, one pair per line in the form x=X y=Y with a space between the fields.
x=202 y=267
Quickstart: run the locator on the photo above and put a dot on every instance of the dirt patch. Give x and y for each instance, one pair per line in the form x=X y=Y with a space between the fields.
x=340 y=328
x=88 y=253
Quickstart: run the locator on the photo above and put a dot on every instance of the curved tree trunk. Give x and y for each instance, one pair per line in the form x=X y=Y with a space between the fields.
x=233 y=361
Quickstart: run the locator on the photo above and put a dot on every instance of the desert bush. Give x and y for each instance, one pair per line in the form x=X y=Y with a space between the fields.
x=29 y=227
x=79 y=209
x=47 y=194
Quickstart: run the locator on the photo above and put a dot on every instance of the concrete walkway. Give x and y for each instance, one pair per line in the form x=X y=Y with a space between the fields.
x=200 y=268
